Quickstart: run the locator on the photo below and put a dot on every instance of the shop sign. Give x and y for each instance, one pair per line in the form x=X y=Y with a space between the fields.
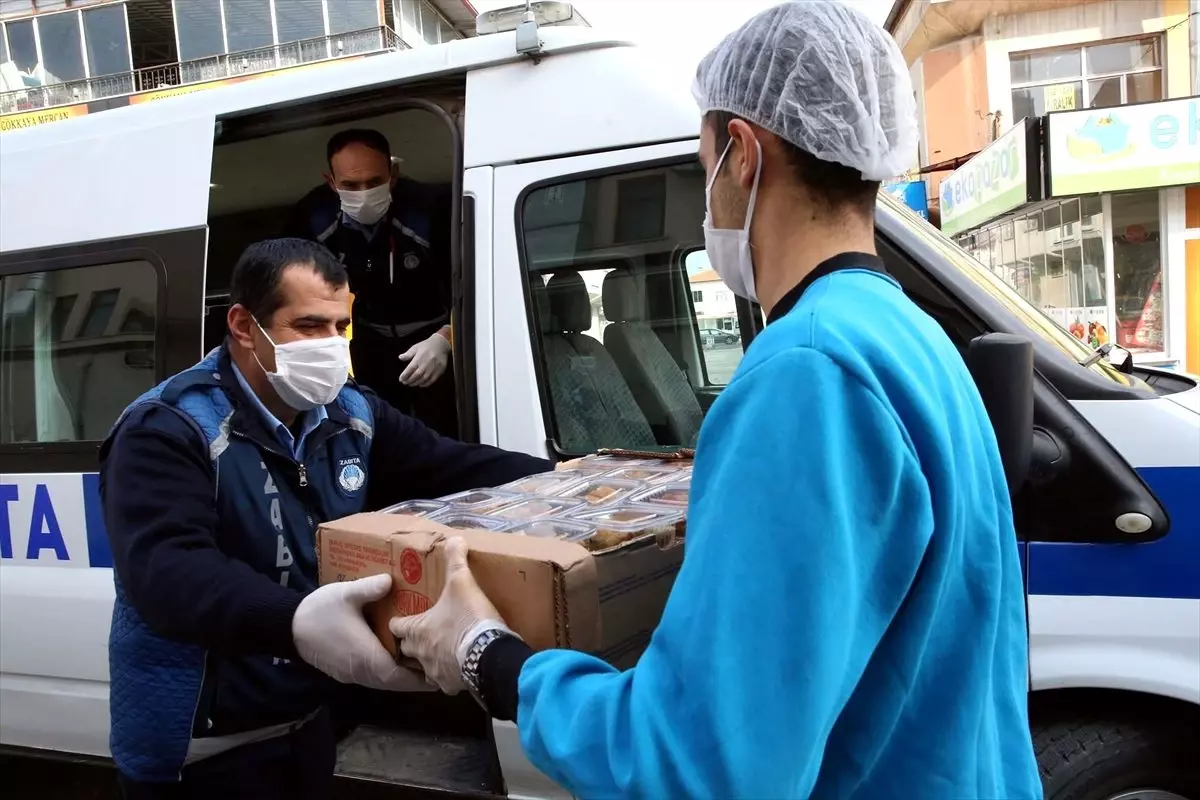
x=912 y=193
x=1141 y=146
x=191 y=88
x=31 y=119
x=1002 y=177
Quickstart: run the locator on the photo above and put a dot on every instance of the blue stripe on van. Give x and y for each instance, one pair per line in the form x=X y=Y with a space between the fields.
x=99 y=554
x=1169 y=567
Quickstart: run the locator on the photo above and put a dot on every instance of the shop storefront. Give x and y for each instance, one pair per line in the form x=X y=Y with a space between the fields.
x=1104 y=252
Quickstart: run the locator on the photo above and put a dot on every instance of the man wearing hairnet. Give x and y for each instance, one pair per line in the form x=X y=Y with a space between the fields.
x=849 y=619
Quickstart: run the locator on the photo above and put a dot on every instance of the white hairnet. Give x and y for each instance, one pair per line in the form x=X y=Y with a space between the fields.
x=822 y=76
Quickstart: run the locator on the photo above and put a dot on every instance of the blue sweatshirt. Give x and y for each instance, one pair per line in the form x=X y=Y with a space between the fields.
x=849 y=619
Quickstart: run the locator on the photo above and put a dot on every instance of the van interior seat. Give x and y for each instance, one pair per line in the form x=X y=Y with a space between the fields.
x=660 y=387
x=592 y=404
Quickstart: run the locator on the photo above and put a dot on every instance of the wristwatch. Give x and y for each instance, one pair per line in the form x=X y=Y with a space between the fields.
x=470 y=667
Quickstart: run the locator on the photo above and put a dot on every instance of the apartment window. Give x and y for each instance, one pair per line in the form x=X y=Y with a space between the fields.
x=198 y=27
x=106 y=37
x=22 y=45
x=1094 y=76
x=698 y=296
x=248 y=25
x=59 y=384
x=352 y=15
x=420 y=24
x=300 y=19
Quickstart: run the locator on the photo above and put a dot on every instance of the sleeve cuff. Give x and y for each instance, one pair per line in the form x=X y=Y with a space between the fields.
x=272 y=614
x=499 y=675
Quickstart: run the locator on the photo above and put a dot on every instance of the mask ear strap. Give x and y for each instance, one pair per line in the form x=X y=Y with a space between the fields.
x=754 y=188
x=720 y=162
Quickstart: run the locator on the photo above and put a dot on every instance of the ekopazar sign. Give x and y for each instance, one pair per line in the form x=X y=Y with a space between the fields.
x=1000 y=178
x=1141 y=146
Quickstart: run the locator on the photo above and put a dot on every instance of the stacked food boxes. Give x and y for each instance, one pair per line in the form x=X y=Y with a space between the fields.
x=599 y=502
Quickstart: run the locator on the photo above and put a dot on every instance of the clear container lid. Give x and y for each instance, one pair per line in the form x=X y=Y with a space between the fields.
x=682 y=475
x=453 y=518
x=416 y=508
x=481 y=501
x=631 y=518
x=646 y=474
x=620 y=461
x=554 y=529
x=546 y=483
x=674 y=495
x=601 y=491
x=539 y=508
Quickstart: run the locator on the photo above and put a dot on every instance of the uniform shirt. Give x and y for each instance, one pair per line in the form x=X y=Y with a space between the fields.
x=849 y=618
x=308 y=421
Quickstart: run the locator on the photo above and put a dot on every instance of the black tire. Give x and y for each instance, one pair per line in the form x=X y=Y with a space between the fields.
x=1099 y=759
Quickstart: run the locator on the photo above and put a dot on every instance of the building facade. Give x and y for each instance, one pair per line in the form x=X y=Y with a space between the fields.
x=65 y=58
x=1072 y=169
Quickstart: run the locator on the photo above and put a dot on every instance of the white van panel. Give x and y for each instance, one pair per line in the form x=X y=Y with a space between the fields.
x=1138 y=644
x=617 y=98
x=477 y=184
x=1148 y=433
x=135 y=181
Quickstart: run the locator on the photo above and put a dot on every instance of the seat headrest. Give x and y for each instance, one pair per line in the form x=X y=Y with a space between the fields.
x=623 y=301
x=569 y=303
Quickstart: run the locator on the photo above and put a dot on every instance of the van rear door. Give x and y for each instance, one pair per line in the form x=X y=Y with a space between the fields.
x=102 y=257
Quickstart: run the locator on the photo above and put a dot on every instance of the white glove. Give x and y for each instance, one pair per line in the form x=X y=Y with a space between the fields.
x=332 y=634
x=441 y=637
x=427 y=361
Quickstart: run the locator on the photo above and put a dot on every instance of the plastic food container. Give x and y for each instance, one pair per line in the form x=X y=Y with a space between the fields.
x=622 y=523
x=674 y=495
x=555 y=529
x=645 y=474
x=416 y=508
x=620 y=461
x=602 y=491
x=679 y=475
x=452 y=518
x=546 y=483
x=481 y=501
x=538 y=508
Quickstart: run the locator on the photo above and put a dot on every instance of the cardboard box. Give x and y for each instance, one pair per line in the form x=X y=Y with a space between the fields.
x=554 y=593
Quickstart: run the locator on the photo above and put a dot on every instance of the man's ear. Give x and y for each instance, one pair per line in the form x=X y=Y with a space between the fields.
x=240 y=322
x=329 y=181
x=745 y=154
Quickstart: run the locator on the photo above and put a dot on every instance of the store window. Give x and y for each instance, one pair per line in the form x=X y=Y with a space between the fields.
x=64 y=376
x=106 y=36
x=1137 y=268
x=1094 y=76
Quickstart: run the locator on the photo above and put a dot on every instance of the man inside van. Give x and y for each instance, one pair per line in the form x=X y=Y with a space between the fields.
x=393 y=236
x=849 y=619
x=222 y=647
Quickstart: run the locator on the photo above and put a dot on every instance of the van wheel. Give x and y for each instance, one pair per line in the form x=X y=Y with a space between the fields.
x=1118 y=760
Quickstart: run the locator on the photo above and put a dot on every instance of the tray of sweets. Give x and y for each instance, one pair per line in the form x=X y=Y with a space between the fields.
x=645 y=474
x=538 y=508
x=554 y=529
x=602 y=491
x=625 y=522
x=481 y=501
x=674 y=495
x=453 y=518
x=545 y=483
x=416 y=508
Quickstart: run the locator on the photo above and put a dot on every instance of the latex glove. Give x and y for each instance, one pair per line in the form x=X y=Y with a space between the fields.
x=332 y=634
x=441 y=637
x=427 y=361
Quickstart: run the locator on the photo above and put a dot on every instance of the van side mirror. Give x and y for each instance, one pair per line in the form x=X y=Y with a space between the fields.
x=1120 y=358
x=1002 y=366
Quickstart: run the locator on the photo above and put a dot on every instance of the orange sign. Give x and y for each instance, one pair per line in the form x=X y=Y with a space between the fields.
x=176 y=91
x=30 y=119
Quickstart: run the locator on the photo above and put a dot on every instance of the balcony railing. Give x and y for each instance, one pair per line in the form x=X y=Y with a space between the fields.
x=231 y=65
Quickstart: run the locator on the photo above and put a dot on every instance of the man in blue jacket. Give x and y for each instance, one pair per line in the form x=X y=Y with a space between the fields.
x=849 y=618
x=222 y=647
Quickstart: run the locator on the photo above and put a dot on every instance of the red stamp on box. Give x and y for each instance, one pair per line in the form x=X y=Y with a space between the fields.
x=409 y=603
x=410 y=567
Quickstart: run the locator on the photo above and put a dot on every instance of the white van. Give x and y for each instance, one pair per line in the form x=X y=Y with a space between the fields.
x=573 y=160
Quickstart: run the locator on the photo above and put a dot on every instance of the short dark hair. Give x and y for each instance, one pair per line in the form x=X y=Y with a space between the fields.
x=841 y=186
x=364 y=136
x=259 y=271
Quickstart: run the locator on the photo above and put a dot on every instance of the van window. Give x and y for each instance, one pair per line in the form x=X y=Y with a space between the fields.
x=1035 y=320
x=635 y=333
x=76 y=346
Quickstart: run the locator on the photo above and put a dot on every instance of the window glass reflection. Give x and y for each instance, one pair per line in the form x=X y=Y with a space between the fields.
x=299 y=19
x=248 y=24
x=107 y=40
x=62 y=48
x=198 y=25
x=352 y=15
x=22 y=48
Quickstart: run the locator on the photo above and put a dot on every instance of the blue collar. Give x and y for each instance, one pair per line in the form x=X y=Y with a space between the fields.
x=309 y=420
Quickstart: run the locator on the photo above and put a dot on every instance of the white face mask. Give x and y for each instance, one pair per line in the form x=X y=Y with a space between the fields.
x=729 y=249
x=367 y=206
x=308 y=372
